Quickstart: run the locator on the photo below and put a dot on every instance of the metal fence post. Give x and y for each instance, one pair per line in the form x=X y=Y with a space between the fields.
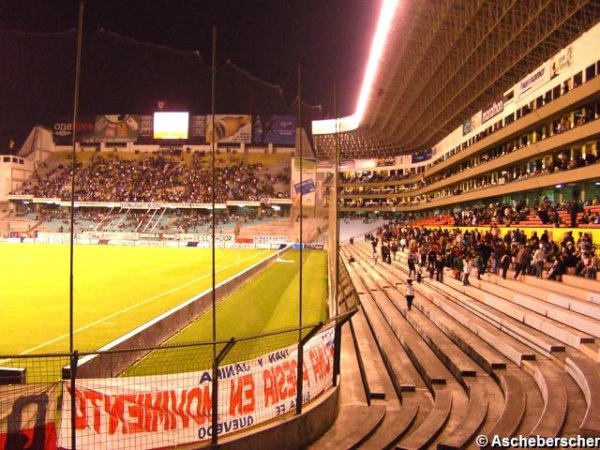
x=74 y=362
x=214 y=439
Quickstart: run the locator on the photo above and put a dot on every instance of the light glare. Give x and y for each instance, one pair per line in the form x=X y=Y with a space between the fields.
x=388 y=10
x=352 y=122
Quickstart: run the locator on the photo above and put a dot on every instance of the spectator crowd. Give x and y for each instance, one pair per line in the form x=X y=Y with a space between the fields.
x=466 y=252
x=158 y=178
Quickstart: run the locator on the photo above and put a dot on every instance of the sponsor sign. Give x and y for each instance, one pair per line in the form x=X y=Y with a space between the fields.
x=274 y=129
x=229 y=128
x=263 y=239
x=146 y=132
x=116 y=128
x=492 y=109
x=27 y=414
x=562 y=61
x=534 y=80
x=62 y=131
x=306 y=187
x=476 y=121
x=421 y=156
x=197 y=134
x=170 y=410
x=384 y=162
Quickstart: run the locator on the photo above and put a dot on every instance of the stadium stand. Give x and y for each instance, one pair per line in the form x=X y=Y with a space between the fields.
x=533 y=378
x=158 y=178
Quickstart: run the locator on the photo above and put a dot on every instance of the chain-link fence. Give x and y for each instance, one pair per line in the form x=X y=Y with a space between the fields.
x=167 y=398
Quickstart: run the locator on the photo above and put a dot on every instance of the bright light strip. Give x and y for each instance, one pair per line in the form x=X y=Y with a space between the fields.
x=388 y=11
x=349 y=123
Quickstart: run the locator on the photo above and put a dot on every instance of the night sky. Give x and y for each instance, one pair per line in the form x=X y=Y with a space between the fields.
x=267 y=38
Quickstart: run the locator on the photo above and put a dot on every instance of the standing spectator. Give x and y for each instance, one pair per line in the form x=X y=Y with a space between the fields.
x=523 y=256
x=467 y=267
x=573 y=209
x=538 y=261
x=439 y=269
x=505 y=263
x=412 y=260
x=410 y=294
x=394 y=249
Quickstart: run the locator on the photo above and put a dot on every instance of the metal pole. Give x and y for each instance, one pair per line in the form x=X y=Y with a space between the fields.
x=299 y=377
x=215 y=378
x=72 y=219
x=336 y=199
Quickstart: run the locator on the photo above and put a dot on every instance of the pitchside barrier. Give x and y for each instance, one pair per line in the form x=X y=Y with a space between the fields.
x=253 y=384
x=156 y=331
x=200 y=240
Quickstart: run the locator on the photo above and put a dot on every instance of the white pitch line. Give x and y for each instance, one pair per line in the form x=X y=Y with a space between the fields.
x=129 y=308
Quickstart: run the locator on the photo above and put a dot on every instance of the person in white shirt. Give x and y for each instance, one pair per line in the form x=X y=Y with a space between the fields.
x=538 y=261
x=410 y=294
x=467 y=267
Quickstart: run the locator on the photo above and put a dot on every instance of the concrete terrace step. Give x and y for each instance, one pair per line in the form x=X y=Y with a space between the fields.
x=352 y=391
x=550 y=327
x=472 y=420
x=515 y=401
x=432 y=425
x=579 y=291
x=587 y=284
x=483 y=321
x=585 y=307
x=422 y=357
x=369 y=358
x=469 y=342
x=452 y=356
x=539 y=397
x=398 y=364
x=557 y=313
x=587 y=375
x=353 y=426
x=395 y=425
x=552 y=384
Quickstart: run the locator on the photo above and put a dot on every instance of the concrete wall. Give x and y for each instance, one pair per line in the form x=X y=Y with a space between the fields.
x=290 y=433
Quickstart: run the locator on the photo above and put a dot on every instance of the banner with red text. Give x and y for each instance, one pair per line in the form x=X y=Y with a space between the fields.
x=27 y=416
x=168 y=410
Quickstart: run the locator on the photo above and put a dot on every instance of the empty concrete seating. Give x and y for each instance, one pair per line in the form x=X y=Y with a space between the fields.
x=495 y=358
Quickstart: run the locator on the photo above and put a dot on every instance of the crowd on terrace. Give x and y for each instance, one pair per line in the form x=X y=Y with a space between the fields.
x=548 y=212
x=559 y=160
x=157 y=178
x=433 y=250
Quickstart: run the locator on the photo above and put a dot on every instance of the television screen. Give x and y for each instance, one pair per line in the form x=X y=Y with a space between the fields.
x=171 y=125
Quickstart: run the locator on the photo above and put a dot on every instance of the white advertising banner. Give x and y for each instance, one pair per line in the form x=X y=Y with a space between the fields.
x=27 y=416
x=154 y=412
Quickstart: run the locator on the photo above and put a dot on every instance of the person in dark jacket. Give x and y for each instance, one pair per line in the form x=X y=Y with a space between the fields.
x=505 y=263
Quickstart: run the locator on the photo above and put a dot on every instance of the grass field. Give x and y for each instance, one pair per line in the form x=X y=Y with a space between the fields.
x=115 y=289
x=268 y=303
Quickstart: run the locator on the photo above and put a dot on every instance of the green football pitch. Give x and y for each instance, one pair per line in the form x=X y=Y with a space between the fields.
x=117 y=289
x=267 y=304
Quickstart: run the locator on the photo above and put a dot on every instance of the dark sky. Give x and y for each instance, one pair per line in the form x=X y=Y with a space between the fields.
x=330 y=38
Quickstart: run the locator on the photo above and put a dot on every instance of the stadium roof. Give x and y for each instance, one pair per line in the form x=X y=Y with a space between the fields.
x=445 y=58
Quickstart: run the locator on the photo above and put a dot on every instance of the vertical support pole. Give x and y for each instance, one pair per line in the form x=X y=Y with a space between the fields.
x=299 y=377
x=74 y=356
x=215 y=378
x=74 y=362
